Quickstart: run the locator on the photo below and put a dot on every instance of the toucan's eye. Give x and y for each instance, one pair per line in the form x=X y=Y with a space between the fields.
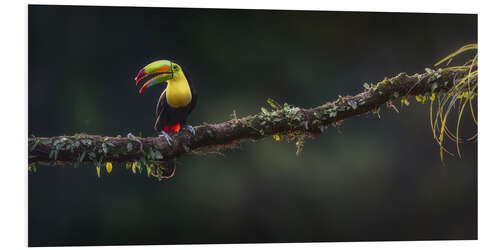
x=176 y=67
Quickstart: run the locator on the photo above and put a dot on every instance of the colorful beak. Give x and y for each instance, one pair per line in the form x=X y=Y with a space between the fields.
x=157 y=67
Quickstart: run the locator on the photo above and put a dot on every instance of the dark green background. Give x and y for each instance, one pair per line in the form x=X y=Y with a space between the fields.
x=376 y=180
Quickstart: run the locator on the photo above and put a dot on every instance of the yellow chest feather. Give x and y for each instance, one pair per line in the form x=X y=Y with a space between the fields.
x=178 y=93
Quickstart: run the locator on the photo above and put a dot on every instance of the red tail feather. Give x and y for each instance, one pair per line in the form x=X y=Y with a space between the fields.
x=172 y=128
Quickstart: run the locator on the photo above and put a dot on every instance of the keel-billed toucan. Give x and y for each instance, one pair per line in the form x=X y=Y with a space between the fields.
x=176 y=101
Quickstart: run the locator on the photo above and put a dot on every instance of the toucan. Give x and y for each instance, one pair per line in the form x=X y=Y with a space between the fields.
x=177 y=100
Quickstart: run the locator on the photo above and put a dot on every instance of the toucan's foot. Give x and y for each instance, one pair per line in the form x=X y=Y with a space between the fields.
x=190 y=129
x=167 y=137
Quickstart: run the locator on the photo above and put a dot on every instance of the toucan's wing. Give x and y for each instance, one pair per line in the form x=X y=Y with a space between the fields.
x=161 y=107
x=194 y=99
x=194 y=93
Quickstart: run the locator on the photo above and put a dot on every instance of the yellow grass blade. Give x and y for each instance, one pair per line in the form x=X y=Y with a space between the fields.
x=459 y=51
x=458 y=125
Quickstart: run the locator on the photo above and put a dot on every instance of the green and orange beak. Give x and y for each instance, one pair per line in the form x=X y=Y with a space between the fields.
x=162 y=69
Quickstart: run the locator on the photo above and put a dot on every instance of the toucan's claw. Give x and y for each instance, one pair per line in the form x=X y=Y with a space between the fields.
x=167 y=137
x=191 y=129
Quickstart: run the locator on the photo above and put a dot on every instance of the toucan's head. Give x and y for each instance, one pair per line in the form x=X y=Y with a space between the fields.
x=162 y=70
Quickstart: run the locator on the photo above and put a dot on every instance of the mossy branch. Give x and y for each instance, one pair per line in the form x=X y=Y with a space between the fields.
x=296 y=122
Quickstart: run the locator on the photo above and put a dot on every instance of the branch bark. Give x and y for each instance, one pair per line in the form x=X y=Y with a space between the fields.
x=287 y=120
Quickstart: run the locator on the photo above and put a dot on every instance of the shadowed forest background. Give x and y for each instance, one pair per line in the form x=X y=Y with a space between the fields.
x=379 y=179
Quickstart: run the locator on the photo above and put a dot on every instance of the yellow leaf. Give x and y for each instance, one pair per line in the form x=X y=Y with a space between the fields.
x=109 y=167
x=464 y=94
x=432 y=97
x=277 y=137
x=134 y=167
x=405 y=102
x=421 y=98
x=98 y=171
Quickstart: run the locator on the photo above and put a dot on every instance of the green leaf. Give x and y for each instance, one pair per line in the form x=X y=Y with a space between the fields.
x=140 y=164
x=82 y=156
x=129 y=147
x=434 y=86
x=159 y=173
x=32 y=167
x=151 y=154
x=353 y=104
x=274 y=104
x=104 y=148
x=158 y=155
x=131 y=136
x=322 y=128
x=34 y=146
x=366 y=85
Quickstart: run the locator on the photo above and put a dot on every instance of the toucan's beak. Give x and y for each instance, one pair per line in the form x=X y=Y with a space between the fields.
x=162 y=67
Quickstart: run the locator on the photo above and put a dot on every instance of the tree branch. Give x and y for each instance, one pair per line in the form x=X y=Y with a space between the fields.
x=286 y=120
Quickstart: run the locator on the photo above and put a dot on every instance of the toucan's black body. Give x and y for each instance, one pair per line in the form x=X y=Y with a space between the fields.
x=167 y=116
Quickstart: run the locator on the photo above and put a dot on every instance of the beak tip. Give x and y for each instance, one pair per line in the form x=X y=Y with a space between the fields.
x=143 y=88
x=139 y=76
